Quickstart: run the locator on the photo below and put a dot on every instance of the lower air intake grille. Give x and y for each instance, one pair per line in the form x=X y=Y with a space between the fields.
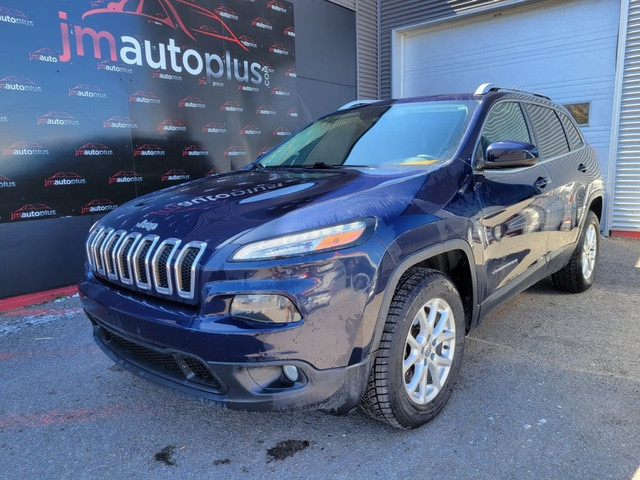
x=177 y=365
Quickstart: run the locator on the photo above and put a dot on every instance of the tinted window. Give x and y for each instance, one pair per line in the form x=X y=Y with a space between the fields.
x=505 y=123
x=412 y=134
x=575 y=140
x=549 y=132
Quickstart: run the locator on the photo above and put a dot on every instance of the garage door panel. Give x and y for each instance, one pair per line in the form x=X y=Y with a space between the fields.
x=565 y=49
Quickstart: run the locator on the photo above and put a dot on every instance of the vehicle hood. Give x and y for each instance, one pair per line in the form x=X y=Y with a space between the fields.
x=262 y=203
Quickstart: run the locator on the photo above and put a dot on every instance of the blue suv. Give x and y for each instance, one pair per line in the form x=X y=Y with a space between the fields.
x=346 y=265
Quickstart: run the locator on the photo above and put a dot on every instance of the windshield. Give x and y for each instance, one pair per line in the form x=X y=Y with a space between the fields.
x=378 y=136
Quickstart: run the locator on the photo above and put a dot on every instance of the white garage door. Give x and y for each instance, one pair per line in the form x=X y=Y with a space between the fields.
x=565 y=49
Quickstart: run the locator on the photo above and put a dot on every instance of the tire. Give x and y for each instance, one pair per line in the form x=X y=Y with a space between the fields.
x=578 y=275
x=402 y=389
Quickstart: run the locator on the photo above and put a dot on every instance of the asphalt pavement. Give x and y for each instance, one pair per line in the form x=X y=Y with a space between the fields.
x=549 y=389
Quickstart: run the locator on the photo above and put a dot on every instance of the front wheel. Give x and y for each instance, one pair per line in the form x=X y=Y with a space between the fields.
x=420 y=351
x=578 y=275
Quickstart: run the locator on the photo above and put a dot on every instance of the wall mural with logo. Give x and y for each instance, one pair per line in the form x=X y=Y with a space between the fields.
x=102 y=101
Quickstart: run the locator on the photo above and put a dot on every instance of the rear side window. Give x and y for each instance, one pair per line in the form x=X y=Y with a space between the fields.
x=574 y=137
x=549 y=132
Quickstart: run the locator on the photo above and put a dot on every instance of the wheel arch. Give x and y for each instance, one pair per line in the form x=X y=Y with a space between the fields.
x=455 y=259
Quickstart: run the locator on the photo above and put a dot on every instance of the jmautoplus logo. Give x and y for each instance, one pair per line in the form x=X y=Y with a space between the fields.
x=262 y=23
x=93 y=150
x=63 y=179
x=19 y=84
x=279 y=49
x=110 y=66
x=166 y=76
x=32 y=211
x=265 y=110
x=191 y=102
x=291 y=73
x=180 y=15
x=148 y=150
x=281 y=132
x=63 y=119
x=24 y=149
x=250 y=130
x=87 y=91
x=293 y=112
x=264 y=150
x=171 y=126
x=47 y=55
x=144 y=97
x=212 y=173
x=230 y=106
x=279 y=91
x=15 y=17
x=248 y=88
x=234 y=151
x=124 y=176
x=276 y=6
x=212 y=82
x=213 y=127
x=226 y=12
x=289 y=32
x=119 y=122
x=6 y=182
x=195 y=151
x=247 y=41
x=98 y=205
x=175 y=175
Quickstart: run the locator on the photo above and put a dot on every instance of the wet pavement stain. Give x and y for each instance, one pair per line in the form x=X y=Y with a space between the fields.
x=287 y=448
x=166 y=455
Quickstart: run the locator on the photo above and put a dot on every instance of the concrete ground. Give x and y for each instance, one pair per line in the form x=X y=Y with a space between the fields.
x=550 y=388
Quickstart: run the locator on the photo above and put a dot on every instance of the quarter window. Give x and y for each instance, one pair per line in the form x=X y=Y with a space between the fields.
x=549 y=132
x=574 y=137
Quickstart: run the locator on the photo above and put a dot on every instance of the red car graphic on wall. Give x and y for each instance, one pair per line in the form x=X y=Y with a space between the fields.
x=171 y=14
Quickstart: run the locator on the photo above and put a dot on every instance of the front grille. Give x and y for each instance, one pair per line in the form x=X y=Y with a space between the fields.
x=145 y=262
x=177 y=365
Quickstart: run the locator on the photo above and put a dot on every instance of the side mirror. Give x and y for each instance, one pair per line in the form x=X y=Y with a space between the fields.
x=510 y=155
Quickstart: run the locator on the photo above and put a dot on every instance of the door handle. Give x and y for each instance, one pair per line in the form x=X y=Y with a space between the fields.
x=582 y=167
x=541 y=182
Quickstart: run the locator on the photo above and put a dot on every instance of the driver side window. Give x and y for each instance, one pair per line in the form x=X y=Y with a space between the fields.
x=505 y=123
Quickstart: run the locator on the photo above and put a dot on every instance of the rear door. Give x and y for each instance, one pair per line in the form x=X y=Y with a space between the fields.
x=571 y=164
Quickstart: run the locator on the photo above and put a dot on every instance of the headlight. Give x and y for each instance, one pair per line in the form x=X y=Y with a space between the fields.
x=320 y=240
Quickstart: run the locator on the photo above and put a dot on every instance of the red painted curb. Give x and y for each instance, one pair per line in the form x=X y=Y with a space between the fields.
x=624 y=234
x=35 y=298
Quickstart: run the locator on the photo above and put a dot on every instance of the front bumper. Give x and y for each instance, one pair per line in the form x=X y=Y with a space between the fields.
x=222 y=360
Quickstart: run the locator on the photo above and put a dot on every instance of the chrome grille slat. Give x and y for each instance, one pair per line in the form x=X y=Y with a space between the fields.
x=123 y=257
x=98 y=248
x=110 y=249
x=161 y=265
x=141 y=260
x=164 y=267
x=185 y=268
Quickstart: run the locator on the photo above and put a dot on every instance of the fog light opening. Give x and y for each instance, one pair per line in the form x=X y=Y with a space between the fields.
x=291 y=372
x=267 y=308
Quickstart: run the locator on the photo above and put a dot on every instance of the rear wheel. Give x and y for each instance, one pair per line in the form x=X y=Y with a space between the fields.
x=420 y=351
x=578 y=275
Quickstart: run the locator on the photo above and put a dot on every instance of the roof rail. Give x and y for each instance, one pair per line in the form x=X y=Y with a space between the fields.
x=495 y=87
x=357 y=103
